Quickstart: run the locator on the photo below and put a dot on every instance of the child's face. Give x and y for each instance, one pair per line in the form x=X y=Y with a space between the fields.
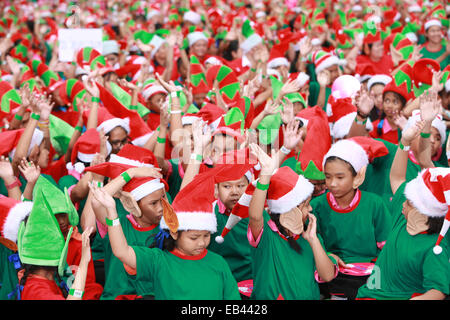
x=200 y=48
x=229 y=192
x=151 y=207
x=118 y=137
x=391 y=104
x=319 y=187
x=338 y=178
x=376 y=93
x=63 y=221
x=193 y=242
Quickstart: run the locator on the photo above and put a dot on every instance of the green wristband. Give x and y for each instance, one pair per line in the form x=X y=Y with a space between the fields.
x=126 y=176
x=197 y=157
x=95 y=99
x=261 y=186
x=18 y=117
x=404 y=148
x=76 y=293
x=112 y=223
x=133 y=107
x=78 y=128
x=252 y=69
x=161 y=140
x=35 y=116
x=425 y=135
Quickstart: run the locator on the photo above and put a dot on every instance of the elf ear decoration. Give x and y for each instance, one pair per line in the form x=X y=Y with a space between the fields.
x=170 y=217
x=360 y=177
x=129 y=203
x=292 y=220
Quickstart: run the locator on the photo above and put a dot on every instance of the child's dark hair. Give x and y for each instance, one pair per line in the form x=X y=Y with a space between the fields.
x=350 y=167
x=275 y=217
x=399 y=96
x=31 y=269
x=233 y=46
x=168 y=243
x=434 y=224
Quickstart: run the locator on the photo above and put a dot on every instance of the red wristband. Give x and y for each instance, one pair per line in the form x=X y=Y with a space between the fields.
x=16 y=183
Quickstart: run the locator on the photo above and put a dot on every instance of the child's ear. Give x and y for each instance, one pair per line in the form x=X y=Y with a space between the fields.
x=359 y=179
x=216 y=191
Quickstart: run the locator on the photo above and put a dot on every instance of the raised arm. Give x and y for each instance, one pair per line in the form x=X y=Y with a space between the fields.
x=119 y=244
x=398 y=169
x=9 y=179
x=268 y=166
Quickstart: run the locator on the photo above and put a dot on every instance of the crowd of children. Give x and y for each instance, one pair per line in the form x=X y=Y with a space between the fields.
x=220 y=150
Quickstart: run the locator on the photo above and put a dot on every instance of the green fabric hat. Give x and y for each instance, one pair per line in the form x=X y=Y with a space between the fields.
x=311 y=172
x=9 y=97
x=40 y=241
x=125 y=98
x=60 y=134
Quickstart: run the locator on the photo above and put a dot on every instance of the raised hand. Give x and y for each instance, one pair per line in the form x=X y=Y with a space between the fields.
x=400 y=121
x=6 y=169
x=292 y=134
x=202 y=137
x=290 y=86
x=409 y=134
x=86 y=244
x=323 y=78
x=169 y=86
x=144 y=172
x=91 y=87
x=100 y=198
x=45 y=106
x=127 y=84
x=429 y=106
x=305 y=47
x=164 y=115
x=270 y=108
x=29 y=170
x=310 y=233
x=25 y=94
x=268 y=163
x=365 y=102
x=287 y=114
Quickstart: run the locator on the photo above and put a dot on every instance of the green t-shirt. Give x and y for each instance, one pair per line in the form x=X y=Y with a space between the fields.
x=117 y=281
x=8 y=275
x=434 y=55
x=280 y=270
x=174 y=181
x=207 y=277
x=407 y=264
x=235 y=249
x=353 y=234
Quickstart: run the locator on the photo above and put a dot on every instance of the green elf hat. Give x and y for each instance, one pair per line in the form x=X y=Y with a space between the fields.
x=371 y=32
x=70 y=90
x=155 y=40
x=40 y=241
x=402 y=81
x=125 y=98
x=344 y=40
x=60 y=134
x=316 y=145
x=20 y=52
x=101 y=62
x=51 y=79
x=438 y=11
x=198 y=81
x=423 y=74
x=404 y=45
x=228 y=83
x=9 y=97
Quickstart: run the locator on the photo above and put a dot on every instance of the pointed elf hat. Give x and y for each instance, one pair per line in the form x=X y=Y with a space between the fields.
x=428 y=193
x=12 y=213
x=404 y=45
x=423 y=74
x=227 y=81
x=151 y=39
x=40 y=241
x=85 y=56
x=198 y=81
x=70 y=90
x=60 y=134
x=287 y=190
x=50 y=78
x=357 y=151
x=9 y=98
x=371 y=32
x=125 y=99
x=108 y=122
x=316 y=144
x=402 y=81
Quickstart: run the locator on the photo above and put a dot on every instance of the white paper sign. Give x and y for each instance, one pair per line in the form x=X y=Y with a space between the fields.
x=71 y=40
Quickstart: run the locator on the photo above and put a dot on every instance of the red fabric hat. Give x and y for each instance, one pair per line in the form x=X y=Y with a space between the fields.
x=12 y=213
x=134 y=156
x=9 y=140
x=422 y=73
x=84 y=149
x=85 y=56
x=277 y=55
x=429 y=193
x=343 y=113
x=287 y=190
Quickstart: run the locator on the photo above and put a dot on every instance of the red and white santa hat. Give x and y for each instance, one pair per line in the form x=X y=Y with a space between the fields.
x=12 y=213
x=378 y=79
x=134 y=156
x=108 y=122
x=152 y=87
x=357 y=151
x=287 y=190
x=429 y=193
x=277 y=56
x=431 y=23
x=10 y=138
x=85 y=149
x=194 y=205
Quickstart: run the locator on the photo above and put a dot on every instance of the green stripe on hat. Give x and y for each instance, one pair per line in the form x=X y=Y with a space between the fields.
x=8 y=98
x=60 y=134
x=125 y=99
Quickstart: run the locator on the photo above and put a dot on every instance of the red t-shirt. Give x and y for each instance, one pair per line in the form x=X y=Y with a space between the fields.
x=40 y=288
x=384 y=66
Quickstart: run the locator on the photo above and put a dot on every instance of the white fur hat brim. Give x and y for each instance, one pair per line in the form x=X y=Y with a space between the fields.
x=251 y=42
x=349 y=151
x=110 y=124
x=193 y=37
x=196 y=220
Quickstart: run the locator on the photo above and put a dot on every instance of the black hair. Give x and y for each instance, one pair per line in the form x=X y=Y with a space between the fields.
x=233 y=46
x=350 y=167
x=31 y=269
x=399 y=96
x=370 y=48
x=275 y=217
x=434 y=224
x=168 y=242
